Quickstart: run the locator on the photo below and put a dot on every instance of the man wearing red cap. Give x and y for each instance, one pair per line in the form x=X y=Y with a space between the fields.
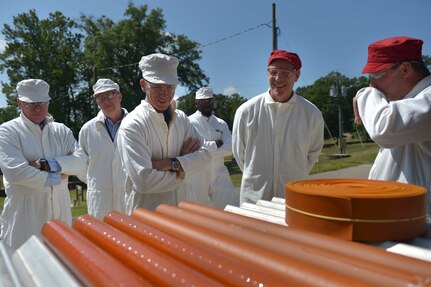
x=396 y=111
x=277 y=136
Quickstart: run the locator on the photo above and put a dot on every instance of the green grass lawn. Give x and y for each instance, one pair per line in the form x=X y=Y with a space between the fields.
x=359 y=154
x=79 y=208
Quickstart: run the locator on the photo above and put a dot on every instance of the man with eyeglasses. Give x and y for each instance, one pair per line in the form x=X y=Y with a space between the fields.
x=396 y=111
x=36 y=159
x=213 y=184
x=158 y=146
x=278 y=135
x=105 y=174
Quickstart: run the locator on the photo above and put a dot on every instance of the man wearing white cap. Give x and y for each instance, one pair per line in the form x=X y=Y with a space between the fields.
x=105 y=175
x=35 y=160
x=213 y=185
x=158 y=145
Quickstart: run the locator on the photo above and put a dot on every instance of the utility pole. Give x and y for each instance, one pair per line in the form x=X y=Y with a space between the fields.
x=274 y=29
x=334 y=92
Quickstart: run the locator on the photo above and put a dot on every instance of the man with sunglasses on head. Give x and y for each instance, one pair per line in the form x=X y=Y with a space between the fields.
x=158 y=146
x=278 y=135
x=396 y=111
x=36 y=159
x=105 y=174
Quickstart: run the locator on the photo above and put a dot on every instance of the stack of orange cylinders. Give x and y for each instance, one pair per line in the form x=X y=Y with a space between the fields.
x=152 y=264
x=223 y=269
x=284 y=268
x=357 y=209
x=196 y=245
x=91 y=265
x=350 y=252
x=359 y=271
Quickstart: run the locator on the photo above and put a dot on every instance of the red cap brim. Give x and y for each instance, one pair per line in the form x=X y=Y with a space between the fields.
x=375 y=67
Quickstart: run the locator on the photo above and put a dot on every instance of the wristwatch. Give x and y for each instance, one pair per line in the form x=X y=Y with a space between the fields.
x=175 y=164
x=44 y=165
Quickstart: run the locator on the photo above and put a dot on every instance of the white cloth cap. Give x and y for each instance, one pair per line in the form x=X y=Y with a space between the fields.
x=33 y=91
x=159 y=69
x=104 y=85
x=204 y=93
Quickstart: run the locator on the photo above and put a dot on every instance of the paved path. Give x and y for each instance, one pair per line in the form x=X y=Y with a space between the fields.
x=360 y=171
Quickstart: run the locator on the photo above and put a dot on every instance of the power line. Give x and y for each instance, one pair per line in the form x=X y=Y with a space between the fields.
x=229 y=37
x=199 y=46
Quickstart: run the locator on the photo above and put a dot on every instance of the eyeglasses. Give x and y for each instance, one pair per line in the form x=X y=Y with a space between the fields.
x=159 y=88
x=274 y=73
x=102 y=97
x=28 y=105
x=382 y=73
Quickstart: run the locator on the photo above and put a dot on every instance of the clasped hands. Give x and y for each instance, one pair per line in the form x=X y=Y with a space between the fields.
x=190 y=145
x=37 y=164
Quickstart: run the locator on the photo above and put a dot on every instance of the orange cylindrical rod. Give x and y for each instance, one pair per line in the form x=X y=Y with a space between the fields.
x=89 y=263
x=359 y=251
x=221 y=268
x=354 y=269
x=290 y=271
x=154 y=265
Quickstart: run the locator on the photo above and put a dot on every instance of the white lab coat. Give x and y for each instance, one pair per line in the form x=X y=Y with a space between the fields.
x=213 y=184
x=144 y=136
x=275 y=143
x=402 y=130
x=29 y=204
x=105 y=175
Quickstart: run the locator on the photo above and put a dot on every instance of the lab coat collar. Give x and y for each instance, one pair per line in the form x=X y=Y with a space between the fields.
x=420 y=86
x=270 y=100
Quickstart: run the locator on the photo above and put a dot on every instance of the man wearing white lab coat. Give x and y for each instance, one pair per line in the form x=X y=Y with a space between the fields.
x=396 y=111
x=34 y=158
x=158 y=146
x=277 y=136
x=105 y=174
x=212 y=184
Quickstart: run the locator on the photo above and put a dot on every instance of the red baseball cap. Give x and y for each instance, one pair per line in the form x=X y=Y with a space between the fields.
x=287 y=56
x=386 y=52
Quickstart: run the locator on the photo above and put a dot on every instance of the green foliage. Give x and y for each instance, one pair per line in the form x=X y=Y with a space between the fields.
x=187 y=103
x=48 y=49
x=318 y=94
x=8 y=113
x=427 y=60
x=360 y=153
x=225 y=106
x=113 y=50
x=71 y=56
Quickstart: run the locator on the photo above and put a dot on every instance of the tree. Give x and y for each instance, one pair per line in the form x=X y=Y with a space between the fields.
x=8 y=113
x=225 y=106
x=427 y=60
x=46 y=49
x=114 y=50
x=70 y=56
x=318 y=94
